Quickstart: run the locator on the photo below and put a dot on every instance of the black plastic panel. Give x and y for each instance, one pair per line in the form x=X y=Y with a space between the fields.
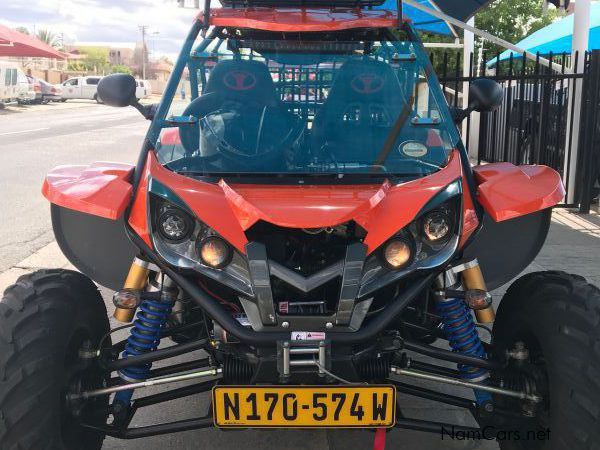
x=98 y=247
x=505 y=248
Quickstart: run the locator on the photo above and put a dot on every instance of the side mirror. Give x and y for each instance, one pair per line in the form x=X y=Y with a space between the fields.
x=119 y=90
x=485 y=95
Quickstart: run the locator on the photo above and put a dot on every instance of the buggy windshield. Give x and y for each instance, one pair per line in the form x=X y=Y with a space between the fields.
x=313 y=103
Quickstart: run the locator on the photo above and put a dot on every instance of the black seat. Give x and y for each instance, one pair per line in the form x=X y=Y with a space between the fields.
x=363 y=103
x=242 y=82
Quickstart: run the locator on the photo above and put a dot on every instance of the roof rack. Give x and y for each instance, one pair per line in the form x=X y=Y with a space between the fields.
x=331 y=4
x=303 y=3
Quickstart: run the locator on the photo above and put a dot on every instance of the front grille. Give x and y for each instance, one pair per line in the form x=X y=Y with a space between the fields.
x=306 y=251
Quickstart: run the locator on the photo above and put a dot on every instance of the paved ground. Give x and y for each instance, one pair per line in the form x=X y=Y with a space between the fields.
x=32 y=142
x=34 y=139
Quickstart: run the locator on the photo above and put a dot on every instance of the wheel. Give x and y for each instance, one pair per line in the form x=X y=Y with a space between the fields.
x=556 y=317
x=100 y=102
x=63 y=100
x=46 y=318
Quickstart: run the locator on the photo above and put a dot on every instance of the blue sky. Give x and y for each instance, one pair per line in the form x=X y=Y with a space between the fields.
x=104 y=20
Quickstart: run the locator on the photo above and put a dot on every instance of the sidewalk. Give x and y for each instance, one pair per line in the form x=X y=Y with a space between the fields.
x=573 y=245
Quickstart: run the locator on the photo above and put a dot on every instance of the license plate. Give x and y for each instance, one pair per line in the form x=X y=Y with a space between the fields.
x=304 y=406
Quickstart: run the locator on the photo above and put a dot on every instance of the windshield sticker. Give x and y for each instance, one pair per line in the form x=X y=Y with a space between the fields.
x=413 y=149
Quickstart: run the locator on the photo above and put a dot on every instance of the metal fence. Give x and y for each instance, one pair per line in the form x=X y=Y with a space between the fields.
x=538 y=122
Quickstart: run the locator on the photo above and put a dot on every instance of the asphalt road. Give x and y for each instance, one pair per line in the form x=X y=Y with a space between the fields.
x=35 y=139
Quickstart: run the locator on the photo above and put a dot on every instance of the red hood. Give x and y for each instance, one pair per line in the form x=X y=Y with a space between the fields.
x=381 y=209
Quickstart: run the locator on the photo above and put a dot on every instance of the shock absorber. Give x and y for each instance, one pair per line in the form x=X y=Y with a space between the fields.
x=145 y=334
x=460 y=330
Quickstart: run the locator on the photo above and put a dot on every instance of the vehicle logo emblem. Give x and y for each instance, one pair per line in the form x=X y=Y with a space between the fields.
x=367 y=83
x=239 y=80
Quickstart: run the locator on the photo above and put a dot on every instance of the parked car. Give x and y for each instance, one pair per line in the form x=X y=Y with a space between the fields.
x=81 y=88
x=50 y=92
x=142 y=89
x=26 y=87
x=9 y=89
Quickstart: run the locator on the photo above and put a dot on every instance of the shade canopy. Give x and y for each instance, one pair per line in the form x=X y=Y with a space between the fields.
x=459 y=9
x=557 y=37
x=13 y=43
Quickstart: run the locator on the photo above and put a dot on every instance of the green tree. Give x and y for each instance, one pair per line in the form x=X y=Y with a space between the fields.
x=49 y=38
x=120 y=68
x=96 y=58
x=512 y=20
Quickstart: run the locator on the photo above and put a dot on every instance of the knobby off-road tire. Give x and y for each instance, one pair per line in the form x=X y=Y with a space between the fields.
x=557 y=316
x=45 y=318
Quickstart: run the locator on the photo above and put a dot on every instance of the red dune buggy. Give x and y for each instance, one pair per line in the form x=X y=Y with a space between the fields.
x=305 y=215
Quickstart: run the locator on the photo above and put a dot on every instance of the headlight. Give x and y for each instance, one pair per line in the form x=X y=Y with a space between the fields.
x=174 y=224
x=214 y=252
x=398 y=253
x=437 y=226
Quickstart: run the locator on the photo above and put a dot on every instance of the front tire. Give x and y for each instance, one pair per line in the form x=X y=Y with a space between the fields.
x=46 y=318
x=557 y=317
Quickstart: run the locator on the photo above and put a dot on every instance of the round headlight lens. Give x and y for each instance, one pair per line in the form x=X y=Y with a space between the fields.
x=437 y=226
x=398 y=253
x=175 y=225
x=214 y=252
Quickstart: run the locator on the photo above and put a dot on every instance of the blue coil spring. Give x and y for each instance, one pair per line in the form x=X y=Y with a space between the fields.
x=462 y=335
x=145 y=335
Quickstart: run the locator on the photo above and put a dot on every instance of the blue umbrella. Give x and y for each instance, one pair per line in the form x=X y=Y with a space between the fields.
x=556 y=38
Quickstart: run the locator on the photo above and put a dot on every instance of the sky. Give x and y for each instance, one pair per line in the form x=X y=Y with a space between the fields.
x=114 y=21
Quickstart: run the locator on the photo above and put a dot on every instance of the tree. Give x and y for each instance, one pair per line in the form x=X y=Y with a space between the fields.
x=512 y=20
x=96 y=58
x=49 y=38
x=120 y=68
x=22 y=30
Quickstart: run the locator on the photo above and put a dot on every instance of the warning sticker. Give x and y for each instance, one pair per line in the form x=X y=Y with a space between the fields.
x=308 y=336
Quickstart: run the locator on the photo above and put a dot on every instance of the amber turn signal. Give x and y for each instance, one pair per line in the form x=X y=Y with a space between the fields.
x=214 y=252
x=397 y=253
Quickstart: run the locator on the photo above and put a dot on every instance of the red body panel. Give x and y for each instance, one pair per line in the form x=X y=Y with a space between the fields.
x=101 y=189
x=506 y=191
x=301 y=19
x=382 y=210
x=138 y=218
x=170 y=136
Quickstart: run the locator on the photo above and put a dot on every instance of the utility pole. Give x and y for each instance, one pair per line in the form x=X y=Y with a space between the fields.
x=143 y=29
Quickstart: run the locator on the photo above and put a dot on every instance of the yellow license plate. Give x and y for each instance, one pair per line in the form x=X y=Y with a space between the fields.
x=304 y=406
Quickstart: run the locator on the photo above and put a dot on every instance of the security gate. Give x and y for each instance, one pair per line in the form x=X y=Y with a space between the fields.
x=536 y=123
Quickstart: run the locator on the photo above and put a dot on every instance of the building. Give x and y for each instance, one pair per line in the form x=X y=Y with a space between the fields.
x=118 y=53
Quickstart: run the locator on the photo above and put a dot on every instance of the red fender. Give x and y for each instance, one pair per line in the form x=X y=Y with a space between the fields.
x=507 y=191
x=101 y=189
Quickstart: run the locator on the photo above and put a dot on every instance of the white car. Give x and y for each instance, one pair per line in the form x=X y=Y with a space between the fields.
x=143 y=89
x=85 y=88
x=9 y=85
